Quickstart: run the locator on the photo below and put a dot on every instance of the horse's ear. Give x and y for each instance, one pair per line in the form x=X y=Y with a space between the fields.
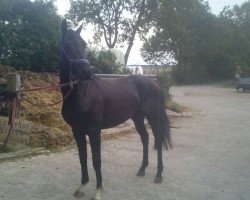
x=64 y=27
x=79 y=29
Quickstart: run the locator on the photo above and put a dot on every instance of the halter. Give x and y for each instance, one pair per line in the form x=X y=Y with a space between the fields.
x=72 y=61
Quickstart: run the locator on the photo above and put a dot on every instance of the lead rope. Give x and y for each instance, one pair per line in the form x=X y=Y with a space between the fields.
x=14 y=103
x=47 y=105
x=71 y=84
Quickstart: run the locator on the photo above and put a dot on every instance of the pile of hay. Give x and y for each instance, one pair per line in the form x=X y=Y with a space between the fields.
x=50 y=130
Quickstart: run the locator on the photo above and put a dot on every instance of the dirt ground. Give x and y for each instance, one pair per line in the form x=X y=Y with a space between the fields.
x=210 y=159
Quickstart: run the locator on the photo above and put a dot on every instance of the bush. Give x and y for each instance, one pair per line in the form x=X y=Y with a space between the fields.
x=165 y=81
x=105 y=63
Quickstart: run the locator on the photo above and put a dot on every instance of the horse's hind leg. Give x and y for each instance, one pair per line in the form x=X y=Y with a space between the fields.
x=141 y=129
x=154 y=122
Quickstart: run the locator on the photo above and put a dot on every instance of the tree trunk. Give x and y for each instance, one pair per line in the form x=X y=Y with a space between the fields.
x=135 y=29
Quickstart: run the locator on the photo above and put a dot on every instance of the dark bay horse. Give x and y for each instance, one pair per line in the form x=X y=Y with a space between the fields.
x=94 y=104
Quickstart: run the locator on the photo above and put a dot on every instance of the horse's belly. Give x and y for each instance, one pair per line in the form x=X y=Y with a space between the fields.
x=116 y=117
x=111 y=124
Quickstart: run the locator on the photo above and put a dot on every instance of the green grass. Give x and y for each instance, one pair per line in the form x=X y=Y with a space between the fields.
x=6 y=149
x=173 y=106
x=229 y=84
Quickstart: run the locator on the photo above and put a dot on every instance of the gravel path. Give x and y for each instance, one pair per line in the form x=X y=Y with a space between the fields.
x=210 y=159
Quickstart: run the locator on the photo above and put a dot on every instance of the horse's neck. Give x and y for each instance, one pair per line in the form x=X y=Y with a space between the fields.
x=64 y=78
x=64 y=70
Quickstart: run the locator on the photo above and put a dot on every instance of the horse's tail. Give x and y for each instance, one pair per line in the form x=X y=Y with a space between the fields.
x=165 y=125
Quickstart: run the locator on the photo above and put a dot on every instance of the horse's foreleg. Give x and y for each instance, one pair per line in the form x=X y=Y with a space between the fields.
x=82 y=149
x=95 y=143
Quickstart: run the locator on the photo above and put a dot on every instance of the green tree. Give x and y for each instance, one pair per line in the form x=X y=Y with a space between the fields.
x=239 y=19
x=174 y=35
x=29 y=34
x=196 y=39
x=117 y=20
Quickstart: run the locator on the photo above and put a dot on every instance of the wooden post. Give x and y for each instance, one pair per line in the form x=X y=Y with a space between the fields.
x=4 y=105
x=14 y=84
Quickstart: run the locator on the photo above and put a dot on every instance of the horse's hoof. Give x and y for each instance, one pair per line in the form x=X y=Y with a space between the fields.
x=97 y=195
x=140 y=173
x=78 y=194
x=158 y=180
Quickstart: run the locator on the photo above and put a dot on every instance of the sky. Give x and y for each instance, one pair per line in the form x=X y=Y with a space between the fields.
x=218 y=5
x=215 y=5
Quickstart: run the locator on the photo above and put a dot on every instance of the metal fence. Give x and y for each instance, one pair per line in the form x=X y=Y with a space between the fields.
x=113 y=76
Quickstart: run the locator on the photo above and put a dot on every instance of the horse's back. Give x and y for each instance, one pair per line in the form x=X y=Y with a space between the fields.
x=134 y=86
x=124 y=97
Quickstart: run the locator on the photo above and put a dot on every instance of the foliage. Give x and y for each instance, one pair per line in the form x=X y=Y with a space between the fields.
x=175 y=34
x=6 y=149
x=117 y=20
x=105 y=63
x=29 y=34
x=164 y=78
x=206 y=47
x=239 y=19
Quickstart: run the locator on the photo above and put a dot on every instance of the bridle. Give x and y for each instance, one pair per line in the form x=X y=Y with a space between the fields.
x=70 y=60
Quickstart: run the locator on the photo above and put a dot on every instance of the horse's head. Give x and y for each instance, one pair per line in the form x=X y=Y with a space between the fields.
x=80 y=72
x=73 y=54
